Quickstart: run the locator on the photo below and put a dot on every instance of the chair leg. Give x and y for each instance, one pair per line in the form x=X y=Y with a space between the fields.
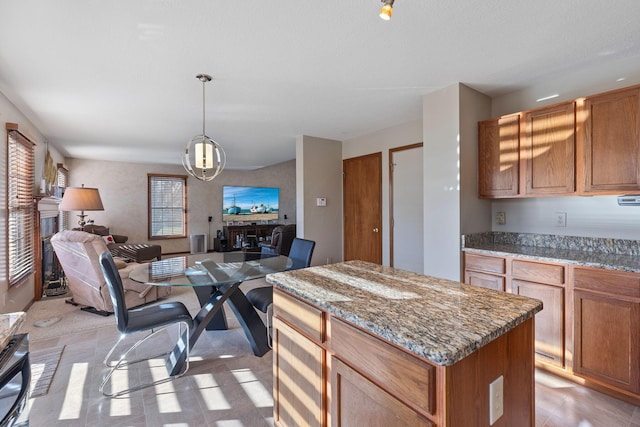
x=269 y=326
x=123 y=362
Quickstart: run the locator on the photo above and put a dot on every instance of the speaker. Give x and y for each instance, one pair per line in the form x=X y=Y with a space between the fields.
x=220 y=244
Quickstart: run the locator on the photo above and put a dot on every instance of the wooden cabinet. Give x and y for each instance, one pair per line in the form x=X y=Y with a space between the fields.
x=499 y=157
x=251 y=235
x=587 y=146
x=610 y=137
x=329 y=372
x=548 y=150
x=544 y=282
x=589 y=326
x=607 y=327
x=296 y=355
x=485 y=271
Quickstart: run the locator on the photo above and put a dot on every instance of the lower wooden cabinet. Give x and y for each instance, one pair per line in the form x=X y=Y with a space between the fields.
x=549 y=322
x=607 y=328
x=589 y=326
x=296 y=402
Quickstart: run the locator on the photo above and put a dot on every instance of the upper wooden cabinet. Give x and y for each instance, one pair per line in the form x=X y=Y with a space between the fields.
x=548 y=150
x=499 y=156
x=588 y=146
x=610 y=137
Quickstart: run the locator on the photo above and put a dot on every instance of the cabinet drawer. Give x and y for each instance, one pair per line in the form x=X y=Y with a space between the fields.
x=306 y=318
x=625 y=284
x=489 y=264
x=550 y=274
x=400 y=373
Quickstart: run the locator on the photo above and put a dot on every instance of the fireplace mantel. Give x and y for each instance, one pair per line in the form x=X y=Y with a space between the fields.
x=48 y=206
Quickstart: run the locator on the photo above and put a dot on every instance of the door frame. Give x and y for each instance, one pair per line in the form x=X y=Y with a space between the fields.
x=391 y=152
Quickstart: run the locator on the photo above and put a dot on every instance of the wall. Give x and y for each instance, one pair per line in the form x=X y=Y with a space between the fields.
x=17 y=299
x=451 y=206
x=381 y=141
x=123 y=189
x=319 y=174
x=597 y=216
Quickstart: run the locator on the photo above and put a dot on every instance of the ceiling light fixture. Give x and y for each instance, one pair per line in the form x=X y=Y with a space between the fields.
x=387 y=9
x=203 y=158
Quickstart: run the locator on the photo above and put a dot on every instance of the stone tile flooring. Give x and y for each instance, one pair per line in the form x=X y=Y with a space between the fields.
x=227 y=386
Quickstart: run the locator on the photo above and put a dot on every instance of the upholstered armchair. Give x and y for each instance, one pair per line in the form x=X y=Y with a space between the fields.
x=281 y=238
x=79 y=255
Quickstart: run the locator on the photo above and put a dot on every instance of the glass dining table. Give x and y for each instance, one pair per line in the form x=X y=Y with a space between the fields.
x=215 y=277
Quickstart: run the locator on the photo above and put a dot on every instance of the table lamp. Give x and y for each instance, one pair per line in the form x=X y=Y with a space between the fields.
x=81 y=199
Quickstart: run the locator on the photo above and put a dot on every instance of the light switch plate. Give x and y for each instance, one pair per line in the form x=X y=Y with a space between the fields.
x=321 y=201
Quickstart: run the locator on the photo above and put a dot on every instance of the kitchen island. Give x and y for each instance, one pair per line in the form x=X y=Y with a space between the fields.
x=361 y=344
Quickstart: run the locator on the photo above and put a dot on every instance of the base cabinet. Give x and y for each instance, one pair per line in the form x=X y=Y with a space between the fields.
x=607 y=328
x=328 y=372
x=589 y=327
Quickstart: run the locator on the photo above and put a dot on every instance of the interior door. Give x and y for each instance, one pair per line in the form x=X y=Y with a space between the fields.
x=362 y=190
x=406 y=194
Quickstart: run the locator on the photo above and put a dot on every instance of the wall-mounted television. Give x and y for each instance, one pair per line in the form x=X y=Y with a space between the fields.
x=250 y=204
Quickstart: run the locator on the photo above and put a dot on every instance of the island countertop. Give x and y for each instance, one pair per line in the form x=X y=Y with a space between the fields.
x=440 y=320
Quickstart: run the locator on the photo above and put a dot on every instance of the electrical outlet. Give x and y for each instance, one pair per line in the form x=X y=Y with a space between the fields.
x=496 y=399
x=501 y=218
x=560 y=219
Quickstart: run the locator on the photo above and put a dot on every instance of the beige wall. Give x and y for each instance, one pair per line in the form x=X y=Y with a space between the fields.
x=123 y=189
x=319 y=174
x=381 y=141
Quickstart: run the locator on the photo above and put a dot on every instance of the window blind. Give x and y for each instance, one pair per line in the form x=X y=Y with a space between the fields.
x=20 y=226
x=63 y=178
x=167 y=206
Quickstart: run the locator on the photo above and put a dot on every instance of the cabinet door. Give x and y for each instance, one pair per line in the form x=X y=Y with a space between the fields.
x=611 y=139
x=549 y=325
x=548 y=148
x=356 y=401
x=484 y=280
x=298 y=378
x=498 y=156
x=607 y=339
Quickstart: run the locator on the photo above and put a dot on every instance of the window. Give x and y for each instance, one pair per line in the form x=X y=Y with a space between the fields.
x=20 y=183
x=167 y=206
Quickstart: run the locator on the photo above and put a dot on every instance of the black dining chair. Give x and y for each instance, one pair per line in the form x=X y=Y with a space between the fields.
x=153 y=318
x=262 y=298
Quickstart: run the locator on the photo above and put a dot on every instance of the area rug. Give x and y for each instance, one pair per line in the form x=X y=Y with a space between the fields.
x=53 y=318
x=43 y=367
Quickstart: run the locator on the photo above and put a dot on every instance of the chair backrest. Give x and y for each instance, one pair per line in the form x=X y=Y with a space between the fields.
x=116 y=290
x=301 y=253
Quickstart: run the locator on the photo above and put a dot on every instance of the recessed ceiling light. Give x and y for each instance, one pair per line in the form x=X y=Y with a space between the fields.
x=555 y=95
x=620 y=79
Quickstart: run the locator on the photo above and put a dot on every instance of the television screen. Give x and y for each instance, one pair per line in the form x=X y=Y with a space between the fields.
x=250 y=204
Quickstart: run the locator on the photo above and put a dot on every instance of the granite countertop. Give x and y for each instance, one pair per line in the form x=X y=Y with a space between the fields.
x=9 y=325
x=610 y=254
x=440 y=320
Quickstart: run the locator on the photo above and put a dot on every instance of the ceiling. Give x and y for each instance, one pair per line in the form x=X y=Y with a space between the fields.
x=115 y=80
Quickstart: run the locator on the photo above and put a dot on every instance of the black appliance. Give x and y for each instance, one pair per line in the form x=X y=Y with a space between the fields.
x=15 y=378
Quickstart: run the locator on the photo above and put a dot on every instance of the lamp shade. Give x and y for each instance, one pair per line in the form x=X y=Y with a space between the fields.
x=81 y=199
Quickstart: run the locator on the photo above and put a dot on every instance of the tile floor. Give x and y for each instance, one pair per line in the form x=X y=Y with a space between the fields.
x=227 y=386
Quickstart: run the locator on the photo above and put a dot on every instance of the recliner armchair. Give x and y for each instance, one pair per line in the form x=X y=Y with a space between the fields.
x=281 y=238
x=78 y=253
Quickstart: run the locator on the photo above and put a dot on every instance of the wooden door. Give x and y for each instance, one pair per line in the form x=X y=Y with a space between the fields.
x=362 y=192
x=499 y=157
x=611 y=140
x=549 y=322
x=406 y=250
x=548 y=148
x=607 y=339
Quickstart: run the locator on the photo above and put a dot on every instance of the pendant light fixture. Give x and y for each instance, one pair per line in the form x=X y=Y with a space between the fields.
x=203 y=158
x=387 y=9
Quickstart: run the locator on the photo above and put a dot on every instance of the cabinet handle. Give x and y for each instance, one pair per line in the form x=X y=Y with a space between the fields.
x=375 y=230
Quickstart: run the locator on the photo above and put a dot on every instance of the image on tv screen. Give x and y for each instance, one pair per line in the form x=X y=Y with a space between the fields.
x=250 y=203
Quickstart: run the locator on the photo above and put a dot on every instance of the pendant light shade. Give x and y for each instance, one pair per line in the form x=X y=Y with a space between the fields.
x=387 y=9
x=203 y=158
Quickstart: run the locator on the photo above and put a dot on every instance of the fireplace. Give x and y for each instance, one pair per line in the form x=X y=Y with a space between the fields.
x=51 y=274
